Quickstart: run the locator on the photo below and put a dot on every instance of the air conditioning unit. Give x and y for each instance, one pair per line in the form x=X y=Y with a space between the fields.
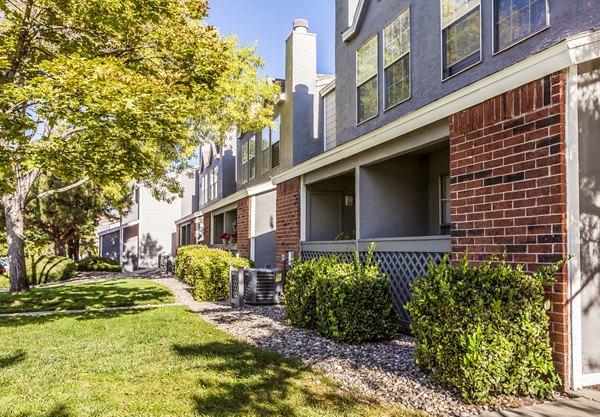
x=263 y=286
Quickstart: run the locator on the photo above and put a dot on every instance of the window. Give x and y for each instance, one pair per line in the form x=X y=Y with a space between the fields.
x=275 y=137
x=396 y=59
x=366 y=81
x=515 y=20
x=266 y=150
x=214 y=185
x=249 y=160
x=461 y=35
x=203 y=191
x=445 y=204
x=184 y=235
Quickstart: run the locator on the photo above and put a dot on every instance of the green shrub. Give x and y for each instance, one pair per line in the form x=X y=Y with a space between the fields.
x=300 y=296
x=207 y=271
x=349 y=302
x=46 y=269
x=96 y=263
x=484 y=329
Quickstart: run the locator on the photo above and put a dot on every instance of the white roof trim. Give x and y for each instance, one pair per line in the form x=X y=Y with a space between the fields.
x=189 y=217
x=358 y=15
x=234 y=198
x=116 y=228
x=328 y=88
x=572 y=51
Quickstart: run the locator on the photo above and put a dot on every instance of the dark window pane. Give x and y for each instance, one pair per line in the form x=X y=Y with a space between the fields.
x=462 y=41
x=367 y=100
x=517 y=19
x=275 y=155
x=397 y=82
x=252 y=164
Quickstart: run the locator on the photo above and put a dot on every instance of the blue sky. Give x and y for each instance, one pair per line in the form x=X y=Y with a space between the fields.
x=269 y=22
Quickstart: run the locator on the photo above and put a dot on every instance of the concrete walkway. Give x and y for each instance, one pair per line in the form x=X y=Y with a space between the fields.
x=579 y=407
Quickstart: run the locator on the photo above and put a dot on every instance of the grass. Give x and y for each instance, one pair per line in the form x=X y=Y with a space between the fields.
x=163 y=362
x=85 y=296
x=4 y=282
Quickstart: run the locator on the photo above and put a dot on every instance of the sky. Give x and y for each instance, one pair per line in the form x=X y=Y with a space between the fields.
x=268 y=23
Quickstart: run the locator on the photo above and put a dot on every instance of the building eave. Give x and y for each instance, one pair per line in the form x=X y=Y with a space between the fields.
x=569 y=52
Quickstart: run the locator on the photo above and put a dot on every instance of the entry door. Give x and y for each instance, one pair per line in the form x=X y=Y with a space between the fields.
x=325 y=216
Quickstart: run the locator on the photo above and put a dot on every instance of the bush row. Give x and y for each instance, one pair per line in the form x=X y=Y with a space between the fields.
x=207 y=271
x=484 y=329
x=345 y=301
x=96 y=263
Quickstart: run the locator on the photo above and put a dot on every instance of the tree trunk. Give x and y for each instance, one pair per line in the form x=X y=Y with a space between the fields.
x=14 y=216
x=59 y=247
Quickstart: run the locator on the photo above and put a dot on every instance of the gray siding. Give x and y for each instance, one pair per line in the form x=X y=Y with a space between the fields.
x=567 y=18
x=330 y=120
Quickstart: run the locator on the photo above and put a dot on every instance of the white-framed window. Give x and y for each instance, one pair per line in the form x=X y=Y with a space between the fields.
x=445 y=222
x=461 y=35
x=396 y=60
x=266 y=150
x=214 y=182
x=203 y=190
x=249 y=159
x=185 y=235
x=366 y=80
x=516 y=20
x=275 y=138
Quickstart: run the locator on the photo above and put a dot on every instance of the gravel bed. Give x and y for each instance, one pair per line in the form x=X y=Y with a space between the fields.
x=385 y=370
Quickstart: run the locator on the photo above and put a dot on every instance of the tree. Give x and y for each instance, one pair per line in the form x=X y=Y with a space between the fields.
x=68 y=217
x=113 y=91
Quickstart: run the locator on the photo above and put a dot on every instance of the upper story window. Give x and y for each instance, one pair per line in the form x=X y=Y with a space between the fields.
x=275 y=138
x=366 y=81
x=214 y=188
x=203 y=190
x=515 y=20
x=461 y=35
x=396 y=59
x=266 y=150
x=249 y=159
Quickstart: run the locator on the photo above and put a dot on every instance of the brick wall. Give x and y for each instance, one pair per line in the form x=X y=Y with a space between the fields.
x=243 y=227
x=508 y=192
x=207 y=221
x=288 y=219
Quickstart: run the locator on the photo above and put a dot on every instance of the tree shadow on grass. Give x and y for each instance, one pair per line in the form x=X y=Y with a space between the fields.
x=59 y=410
x=249 y=381
x=12 y=359
x=73 y=297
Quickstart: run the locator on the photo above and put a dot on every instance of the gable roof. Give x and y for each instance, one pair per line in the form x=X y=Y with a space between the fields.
x=349 y=33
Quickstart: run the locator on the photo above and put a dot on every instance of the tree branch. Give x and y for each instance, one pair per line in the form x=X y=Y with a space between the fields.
x=58 y=190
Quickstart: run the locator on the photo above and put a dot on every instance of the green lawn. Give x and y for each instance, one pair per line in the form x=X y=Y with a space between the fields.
x=85 y=296
x=162 y=362
x=4 y=282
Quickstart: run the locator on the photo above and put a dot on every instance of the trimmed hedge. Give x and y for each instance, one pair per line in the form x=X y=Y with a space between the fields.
x=484 y=329
x=348 y=302
x=96 y=263
x=46 y=269
x=207 y=271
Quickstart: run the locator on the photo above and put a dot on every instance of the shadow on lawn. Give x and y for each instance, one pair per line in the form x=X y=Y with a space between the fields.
x=71 y=297
x=13 y=359
x=254 y=382
x=58 y=410
x=18 y=321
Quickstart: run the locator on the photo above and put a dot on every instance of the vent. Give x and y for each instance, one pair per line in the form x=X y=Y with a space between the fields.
x=263 y=286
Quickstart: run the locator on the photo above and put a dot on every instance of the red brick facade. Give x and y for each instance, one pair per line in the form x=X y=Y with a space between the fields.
x=508 y=192
x=288 y=220
x=243 y=227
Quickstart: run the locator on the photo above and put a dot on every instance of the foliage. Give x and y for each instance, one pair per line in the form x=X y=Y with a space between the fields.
x=207 y=271
x=49 y=268
x=300 y=296
x=115 y=92
x=484 y=329
x=96 y=263
x=160 y=362
x=120 y=293
x=70 y=218
x=347 y=301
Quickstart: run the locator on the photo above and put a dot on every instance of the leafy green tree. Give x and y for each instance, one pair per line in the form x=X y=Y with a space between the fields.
x=113 y=91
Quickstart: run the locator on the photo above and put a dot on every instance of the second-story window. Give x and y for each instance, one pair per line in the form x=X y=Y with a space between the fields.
x=266 y=150
x=214 y=187
x=249 y=160
x=203 y=191
x=366 y=81
x=461 y=35
x=275 y=137
x=515 y=20
x=396 y=59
